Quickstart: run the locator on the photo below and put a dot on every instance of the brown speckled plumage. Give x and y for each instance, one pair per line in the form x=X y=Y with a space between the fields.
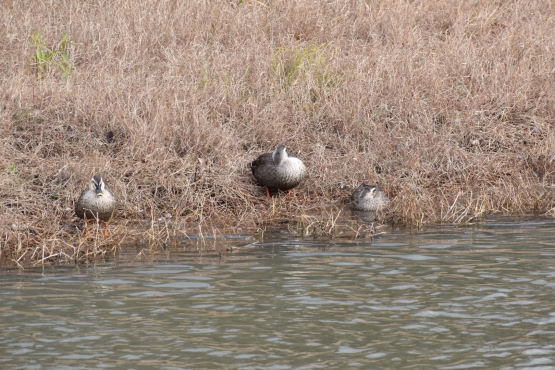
x=369 y=198
x=278 y=170
x=96 y=201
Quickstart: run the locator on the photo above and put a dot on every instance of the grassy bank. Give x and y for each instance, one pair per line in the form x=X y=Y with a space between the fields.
x=448 y=106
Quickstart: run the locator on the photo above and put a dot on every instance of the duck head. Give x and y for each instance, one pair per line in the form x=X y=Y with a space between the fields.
x=97 y=185
x=279 y=155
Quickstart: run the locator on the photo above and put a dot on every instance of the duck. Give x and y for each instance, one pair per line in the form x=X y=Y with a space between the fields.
x=368 y=198
x=278 y=170
x=96 y=202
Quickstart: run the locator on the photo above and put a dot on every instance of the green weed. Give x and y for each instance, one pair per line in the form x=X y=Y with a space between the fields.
x=291 y=65
x=47 y=58
x=12 y=169
x=204 y=79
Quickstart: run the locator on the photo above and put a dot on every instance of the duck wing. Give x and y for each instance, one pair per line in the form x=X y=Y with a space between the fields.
x=260 y=162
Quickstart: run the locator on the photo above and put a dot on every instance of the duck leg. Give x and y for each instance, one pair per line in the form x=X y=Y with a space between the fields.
x=106 y=233
x=268 y=193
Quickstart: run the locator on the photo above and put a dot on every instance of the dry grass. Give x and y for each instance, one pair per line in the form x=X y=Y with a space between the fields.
x=448 y=106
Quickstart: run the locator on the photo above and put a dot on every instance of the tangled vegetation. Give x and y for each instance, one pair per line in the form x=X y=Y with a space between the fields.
x=449 y=107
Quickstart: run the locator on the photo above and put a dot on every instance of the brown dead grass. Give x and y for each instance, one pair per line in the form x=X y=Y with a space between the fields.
x=449 y=107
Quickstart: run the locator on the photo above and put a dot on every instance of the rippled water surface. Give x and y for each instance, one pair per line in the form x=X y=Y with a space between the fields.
x=445 y=298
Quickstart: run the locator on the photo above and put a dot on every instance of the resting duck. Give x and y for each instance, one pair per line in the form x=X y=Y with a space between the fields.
x=96 y=202
x=369 y=198
x=278 y=170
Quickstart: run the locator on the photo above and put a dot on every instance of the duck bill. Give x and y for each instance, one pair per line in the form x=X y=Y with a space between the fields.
x=99 y=192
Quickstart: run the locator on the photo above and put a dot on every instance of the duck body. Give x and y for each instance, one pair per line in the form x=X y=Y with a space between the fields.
x=96 y=201
x=368 y=198
x=278 y=170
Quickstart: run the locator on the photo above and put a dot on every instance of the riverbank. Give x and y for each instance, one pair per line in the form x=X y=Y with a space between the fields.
x=450 y=109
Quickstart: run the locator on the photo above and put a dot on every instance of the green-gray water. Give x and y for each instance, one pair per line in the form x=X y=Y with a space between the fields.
x=445 y=298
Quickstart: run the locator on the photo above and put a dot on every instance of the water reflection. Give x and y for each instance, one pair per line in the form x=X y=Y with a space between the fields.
x=446 y=298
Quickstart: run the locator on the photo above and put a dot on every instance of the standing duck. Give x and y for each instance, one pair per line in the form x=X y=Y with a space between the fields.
x=278 y=170
x=369 y=198
x=96 y=202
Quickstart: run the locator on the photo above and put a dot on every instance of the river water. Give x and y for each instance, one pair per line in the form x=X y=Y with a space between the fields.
x=475 y=297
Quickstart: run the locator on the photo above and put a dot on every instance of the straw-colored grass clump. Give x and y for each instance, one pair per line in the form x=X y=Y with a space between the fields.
x=449 y=107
